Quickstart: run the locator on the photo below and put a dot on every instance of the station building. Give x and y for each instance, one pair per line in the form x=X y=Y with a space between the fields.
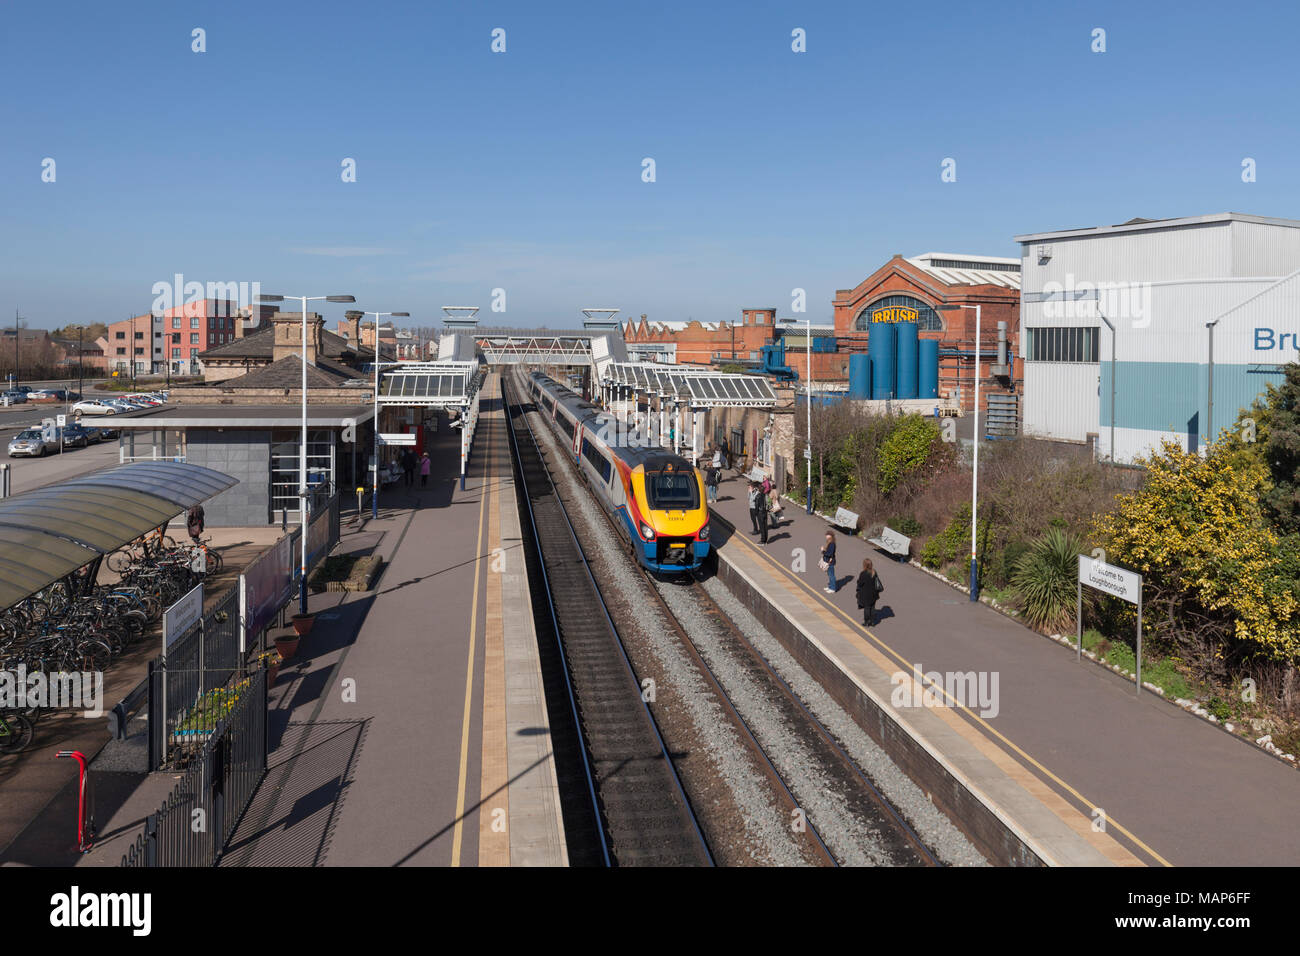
x=1155 y=329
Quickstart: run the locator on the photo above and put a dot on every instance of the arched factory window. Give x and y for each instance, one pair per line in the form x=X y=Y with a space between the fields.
x=927 y=319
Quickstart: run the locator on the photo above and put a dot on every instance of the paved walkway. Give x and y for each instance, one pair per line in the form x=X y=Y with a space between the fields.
x=412 y=729
x=1074 y=736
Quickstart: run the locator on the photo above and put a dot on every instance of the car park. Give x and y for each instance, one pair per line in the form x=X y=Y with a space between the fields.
x=32 y=443
x=14 y=396
x=94 y=406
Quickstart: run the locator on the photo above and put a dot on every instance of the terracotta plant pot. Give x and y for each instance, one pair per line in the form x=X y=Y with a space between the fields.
x=287 y=645
x=302 y=623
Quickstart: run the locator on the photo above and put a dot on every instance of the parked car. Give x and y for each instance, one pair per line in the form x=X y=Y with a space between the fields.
x=143 y=399
x=93 y=406
x=32 y=443
x=106 y=431
x=74 y=436
x=52 y=395
x=14 y=396
x=93 y=433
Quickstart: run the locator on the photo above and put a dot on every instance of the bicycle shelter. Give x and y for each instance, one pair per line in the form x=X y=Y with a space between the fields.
x=52 y=532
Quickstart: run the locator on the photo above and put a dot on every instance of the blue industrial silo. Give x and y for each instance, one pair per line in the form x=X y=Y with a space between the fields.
x=859 y=376
x=906 y=351
x=881 y=349
x=928 y=368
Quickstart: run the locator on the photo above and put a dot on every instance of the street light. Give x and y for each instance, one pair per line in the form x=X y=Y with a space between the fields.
x=374 y=463
x=807 y=456
x=975 y=470
x=302 y=457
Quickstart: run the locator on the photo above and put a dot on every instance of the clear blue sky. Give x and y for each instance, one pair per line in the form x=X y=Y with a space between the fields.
x=522 y=170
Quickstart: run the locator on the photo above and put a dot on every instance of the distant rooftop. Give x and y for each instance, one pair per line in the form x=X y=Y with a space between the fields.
x=1138 y=224
x=970 y=270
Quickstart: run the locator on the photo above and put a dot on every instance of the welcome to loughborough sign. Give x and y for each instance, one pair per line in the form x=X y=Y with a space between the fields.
x=1117 y=582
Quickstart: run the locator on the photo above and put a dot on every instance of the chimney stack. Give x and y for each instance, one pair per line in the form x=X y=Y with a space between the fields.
x=354 y=328
x=288 y=335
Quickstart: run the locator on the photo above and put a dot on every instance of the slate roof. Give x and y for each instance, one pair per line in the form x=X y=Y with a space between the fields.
x=261 y=345
x=287 y=373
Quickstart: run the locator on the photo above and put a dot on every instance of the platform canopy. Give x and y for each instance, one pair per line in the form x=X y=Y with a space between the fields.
x=49 y=533
x=698 y=386
x=430 y=384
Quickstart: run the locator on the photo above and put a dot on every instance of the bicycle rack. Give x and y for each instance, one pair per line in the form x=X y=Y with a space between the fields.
x=85 y=801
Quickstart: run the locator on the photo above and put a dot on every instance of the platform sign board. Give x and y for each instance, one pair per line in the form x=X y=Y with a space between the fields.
x=1117 y=582
x=265 y=586
x=397 y=438
x=181 y=616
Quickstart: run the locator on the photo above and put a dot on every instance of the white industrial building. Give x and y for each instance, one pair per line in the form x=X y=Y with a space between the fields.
x=1205 y=311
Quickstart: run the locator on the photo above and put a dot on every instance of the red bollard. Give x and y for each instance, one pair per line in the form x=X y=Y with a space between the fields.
x=85 y=802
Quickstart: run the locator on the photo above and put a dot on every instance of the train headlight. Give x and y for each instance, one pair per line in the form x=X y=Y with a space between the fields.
x=647 y=532
x=704 y=533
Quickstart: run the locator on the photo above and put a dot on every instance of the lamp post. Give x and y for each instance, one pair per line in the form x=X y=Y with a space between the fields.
x=975 y=441
x=302 y=452
x=807 y=456
x=374 y=463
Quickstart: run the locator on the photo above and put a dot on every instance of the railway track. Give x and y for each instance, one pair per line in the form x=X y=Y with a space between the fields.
x=645 y=817
x=863 y=828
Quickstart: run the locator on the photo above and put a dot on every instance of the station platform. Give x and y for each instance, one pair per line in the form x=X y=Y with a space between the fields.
x=411 y=727
x=415 y=732
x=1072 y=768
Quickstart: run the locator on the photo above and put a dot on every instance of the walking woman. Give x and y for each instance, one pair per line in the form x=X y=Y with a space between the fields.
x=711 y=475
x=828 y=562
x=425 y=465
x=869 y=588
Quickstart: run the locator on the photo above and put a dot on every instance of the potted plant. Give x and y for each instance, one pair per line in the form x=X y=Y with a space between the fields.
x=286 y=645
x=302 y=623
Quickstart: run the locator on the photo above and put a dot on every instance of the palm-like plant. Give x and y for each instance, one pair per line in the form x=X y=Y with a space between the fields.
x=1046 y=579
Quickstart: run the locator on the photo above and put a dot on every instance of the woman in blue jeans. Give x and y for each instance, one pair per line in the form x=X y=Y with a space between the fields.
x=828 y=559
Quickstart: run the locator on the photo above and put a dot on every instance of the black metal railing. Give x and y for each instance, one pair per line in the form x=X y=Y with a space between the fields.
x=199 y=816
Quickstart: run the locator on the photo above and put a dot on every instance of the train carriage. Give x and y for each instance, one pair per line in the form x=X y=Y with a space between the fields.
x=654 y=496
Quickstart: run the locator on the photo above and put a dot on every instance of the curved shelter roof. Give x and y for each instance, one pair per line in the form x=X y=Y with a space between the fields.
x=48 y=533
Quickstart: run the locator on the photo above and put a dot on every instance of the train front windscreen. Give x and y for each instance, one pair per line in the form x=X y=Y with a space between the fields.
x=672 y=490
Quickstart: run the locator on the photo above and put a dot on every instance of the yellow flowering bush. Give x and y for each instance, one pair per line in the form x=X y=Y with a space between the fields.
x=1196 y=532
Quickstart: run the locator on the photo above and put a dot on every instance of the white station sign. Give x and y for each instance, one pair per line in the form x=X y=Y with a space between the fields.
x=396 y=438
x=1126 y=585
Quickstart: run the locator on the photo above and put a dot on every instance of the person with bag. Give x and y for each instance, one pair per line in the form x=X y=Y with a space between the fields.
x=754 y=495
x=774 y=507
x=711 y=476
x=869 y=591
x=827 y=562
x=194 y=523
x=762 y=516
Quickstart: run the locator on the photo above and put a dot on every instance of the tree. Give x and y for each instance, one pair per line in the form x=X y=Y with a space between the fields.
x=1282 y=453
x=1215 y=572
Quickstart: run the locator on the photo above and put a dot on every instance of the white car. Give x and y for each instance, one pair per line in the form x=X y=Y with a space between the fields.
x=94 y=406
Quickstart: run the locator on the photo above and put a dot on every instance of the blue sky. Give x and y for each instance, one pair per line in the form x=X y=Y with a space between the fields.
x=522 y=170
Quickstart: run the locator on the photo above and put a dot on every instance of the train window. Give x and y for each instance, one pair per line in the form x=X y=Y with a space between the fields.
x=596 y=460
x=672 y=490
x=566 y=425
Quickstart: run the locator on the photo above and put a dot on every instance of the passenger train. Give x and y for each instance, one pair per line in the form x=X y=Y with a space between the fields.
x=655 y=497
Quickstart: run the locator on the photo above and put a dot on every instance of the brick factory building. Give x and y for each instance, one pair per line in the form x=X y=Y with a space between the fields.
x=920 y=286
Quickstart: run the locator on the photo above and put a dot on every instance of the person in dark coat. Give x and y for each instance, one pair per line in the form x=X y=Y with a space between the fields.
x=828 y=563
x=408 y=467
x=762 y=515
x=869 y=588
x=711 y=477
x=194 y=523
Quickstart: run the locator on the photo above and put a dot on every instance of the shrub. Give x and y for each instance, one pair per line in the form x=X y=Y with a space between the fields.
x=905 y=524
x=905 y=450
x=1046 y=579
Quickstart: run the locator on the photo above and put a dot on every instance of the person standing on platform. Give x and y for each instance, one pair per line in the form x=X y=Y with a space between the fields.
x=717 y=458
x=425 y=465
x=726 y=453
x=408 y=466
x=828 y=562
x=762 y=516
x=754 y=495
x=711 y=483
x=869 y=588
x=774 y=507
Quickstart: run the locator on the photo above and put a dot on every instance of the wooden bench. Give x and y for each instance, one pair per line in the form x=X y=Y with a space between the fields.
x=899 y=545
